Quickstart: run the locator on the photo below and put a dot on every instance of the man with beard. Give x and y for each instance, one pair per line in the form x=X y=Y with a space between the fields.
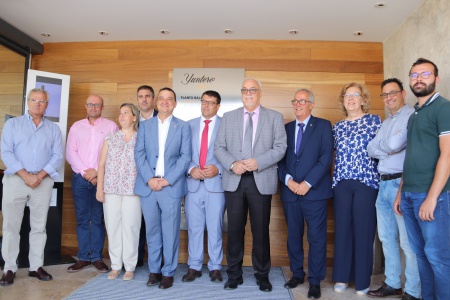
x=425 y=194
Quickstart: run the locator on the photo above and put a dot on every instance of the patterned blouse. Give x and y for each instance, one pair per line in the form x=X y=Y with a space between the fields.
x=350 y=142
x=120 y=168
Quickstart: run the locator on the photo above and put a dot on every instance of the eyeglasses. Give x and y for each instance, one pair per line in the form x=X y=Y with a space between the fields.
x=42 y=102
x=391 y=93
x=251 y=90
x=96 y=105
x=424 y=75
x=209 y=103
x=301 y=101
x=354 y=95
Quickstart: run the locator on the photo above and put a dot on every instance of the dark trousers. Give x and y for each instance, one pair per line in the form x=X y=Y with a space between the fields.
x=314 y=213
x=247 y=199
x=142 y=240
x=355 y=225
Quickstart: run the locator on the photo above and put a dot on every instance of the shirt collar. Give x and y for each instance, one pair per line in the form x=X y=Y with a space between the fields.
x=428 y=102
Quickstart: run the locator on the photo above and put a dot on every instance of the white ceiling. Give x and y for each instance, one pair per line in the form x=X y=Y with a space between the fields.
x=81 y=20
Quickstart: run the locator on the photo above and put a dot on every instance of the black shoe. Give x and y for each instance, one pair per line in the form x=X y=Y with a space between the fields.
x=314 y=292
x=407 y=296
x=384 y=291
x=140 y=263
x=294 y=282
x=264 y=283
x=232 y=284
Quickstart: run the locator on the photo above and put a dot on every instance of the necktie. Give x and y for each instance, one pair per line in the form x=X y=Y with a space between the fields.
x=299 y=137
x=204 y=145
x=247 y=150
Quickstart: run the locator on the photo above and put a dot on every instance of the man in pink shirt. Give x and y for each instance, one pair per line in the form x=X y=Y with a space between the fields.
x=84 y=143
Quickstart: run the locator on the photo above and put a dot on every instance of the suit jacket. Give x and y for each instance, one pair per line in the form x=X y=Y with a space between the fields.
x=269 y=147
x=312 y=163
x=177 y=156
x=211 y=184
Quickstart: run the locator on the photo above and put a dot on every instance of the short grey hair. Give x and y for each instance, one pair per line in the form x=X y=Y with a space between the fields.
x=310 y=93
x=256 y=80
x=39 y=90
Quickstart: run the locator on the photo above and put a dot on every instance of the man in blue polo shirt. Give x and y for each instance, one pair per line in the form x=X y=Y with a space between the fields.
x=425 y=195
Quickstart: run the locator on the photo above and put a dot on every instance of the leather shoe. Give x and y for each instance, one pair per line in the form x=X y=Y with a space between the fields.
x=166 y=282
x=314 y=291
x=407 y=296
x=7 y=278
x=78 y=266
x=100 y=266
x=154 y=279
x=40 y=274
x=215 y=276
x=232 y=284
x=294 y=282
x=384 y=291
x=191 y=275
x=264 y=283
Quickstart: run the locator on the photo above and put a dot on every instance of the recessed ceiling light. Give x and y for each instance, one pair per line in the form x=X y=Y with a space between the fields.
x=228 y=31
x=45 y=34
x=102 y=32
x=358 y=33
x=293 y=31
x=164 y=31
x=380 y=4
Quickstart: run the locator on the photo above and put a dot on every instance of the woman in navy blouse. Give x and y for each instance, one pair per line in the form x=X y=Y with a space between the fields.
x=355 y=185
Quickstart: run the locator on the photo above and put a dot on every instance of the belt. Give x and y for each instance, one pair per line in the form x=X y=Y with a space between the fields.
x=248 y=173
x=385 y=177
x=158 y=176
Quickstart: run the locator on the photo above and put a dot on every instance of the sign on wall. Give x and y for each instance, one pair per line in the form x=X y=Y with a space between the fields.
x=189 y=85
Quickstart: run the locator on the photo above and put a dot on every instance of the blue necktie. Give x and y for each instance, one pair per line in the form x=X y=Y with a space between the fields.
x=299 y=137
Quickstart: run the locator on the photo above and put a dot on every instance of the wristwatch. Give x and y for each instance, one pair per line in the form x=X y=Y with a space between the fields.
x=231 y=168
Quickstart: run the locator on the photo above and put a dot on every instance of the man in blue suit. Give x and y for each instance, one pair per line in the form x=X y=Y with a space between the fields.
x=162 y=154
x=205 y=200
x=306 y=186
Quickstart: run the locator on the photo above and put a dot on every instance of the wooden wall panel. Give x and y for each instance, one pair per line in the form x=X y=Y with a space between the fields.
x=116 y=69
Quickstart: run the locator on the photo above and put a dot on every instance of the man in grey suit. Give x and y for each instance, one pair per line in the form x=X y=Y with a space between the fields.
x=250 y=142
x=162 y=154
x=205 y=201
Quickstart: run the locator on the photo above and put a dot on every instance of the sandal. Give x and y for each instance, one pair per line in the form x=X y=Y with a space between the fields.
x=129 y=275
x=113 y=274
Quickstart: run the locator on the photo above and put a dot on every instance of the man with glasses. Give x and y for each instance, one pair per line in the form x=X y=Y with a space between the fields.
x=425 y=193
x=205 y=201
x=250 y=142
x=389 y=147
x=31 y=149
x=304 y=174
x=84 y=143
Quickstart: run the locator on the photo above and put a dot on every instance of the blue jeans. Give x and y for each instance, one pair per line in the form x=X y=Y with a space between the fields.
x=430 y=240
x=89 y=214
x=391 y=229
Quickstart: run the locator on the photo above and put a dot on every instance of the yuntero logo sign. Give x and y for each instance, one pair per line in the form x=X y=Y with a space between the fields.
x=189 y=84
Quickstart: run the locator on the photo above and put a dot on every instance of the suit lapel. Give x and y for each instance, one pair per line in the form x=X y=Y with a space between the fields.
x=153 y=125
x=195 y=137
x=171 y=134
x=262 y=113
x=216 y=128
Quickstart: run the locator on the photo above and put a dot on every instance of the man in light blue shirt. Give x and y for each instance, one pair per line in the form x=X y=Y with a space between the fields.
x=31 y=149
x=389 y=146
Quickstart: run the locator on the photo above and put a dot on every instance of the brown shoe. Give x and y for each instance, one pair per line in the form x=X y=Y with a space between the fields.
x=215 y=276
x=100 y=266
x=191 y=275
x=40 y=274
x=154 y=279
x=386 y=290
x=78 y=266
x=166 y=282
x=7 y=278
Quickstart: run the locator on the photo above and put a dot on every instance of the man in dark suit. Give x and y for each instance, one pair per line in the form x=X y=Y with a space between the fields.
x=205 y=201
x=162 y=154
x=250 y=142
x=305 y=188
x=145 y=99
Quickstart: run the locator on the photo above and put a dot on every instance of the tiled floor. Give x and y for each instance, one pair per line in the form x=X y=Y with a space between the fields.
x=63 y=284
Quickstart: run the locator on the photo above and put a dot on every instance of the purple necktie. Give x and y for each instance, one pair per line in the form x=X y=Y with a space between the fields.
x=299 y=137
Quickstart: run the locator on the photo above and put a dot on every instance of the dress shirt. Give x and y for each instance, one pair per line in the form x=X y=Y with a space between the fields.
x=163 y=130
x=389 y=145
x=297 y=128
x=25 y=146
x=255 y=119
x=141 y=117
x=85 y=141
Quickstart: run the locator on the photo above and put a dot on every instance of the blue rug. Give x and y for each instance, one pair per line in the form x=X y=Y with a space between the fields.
x=202 y=288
